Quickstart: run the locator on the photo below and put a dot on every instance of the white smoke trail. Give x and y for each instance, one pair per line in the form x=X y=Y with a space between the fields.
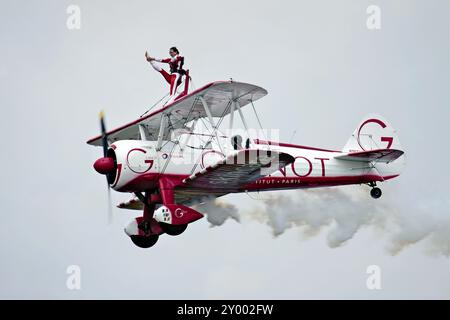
x=312 y=209
x=342 y=212
x=217 y=211
x=429 y=223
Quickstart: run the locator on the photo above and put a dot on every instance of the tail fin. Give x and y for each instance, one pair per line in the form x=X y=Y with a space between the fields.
x=373 y=133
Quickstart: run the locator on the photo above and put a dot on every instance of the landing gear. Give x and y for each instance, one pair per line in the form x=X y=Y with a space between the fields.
x=145 y=241
x=147 y=235
x=143 y=237
x=173 y=230
x=375 y=192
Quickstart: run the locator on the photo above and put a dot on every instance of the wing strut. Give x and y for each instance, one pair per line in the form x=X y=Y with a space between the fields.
x=238 y=107
x=231 y=116
x=142 y=132
x=191 y=129
x=211 y=121
x=161 y=132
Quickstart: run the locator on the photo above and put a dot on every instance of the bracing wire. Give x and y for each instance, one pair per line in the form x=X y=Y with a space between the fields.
x=259 y=121
x=292 y=136
x=175 y=144
x=256 y=114
x=155 y=104
x=225 y=111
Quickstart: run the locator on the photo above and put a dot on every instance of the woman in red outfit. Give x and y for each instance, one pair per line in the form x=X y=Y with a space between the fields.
x=176 y=68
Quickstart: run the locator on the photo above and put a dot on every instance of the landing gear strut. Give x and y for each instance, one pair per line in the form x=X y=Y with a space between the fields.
x=149 y=238
x=375 y=192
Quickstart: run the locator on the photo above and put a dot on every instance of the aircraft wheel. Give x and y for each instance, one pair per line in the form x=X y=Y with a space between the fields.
x=144 y=241
x=375 y=193
x=173 y=230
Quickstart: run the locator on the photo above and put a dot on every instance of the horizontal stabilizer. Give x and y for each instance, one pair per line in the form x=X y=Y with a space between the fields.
x=378 y=155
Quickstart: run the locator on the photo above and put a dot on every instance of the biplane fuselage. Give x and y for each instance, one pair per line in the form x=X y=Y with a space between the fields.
x=140 y=166
x=170 y=166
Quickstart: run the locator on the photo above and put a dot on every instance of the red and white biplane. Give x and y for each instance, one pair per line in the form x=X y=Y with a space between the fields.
x=168 y=165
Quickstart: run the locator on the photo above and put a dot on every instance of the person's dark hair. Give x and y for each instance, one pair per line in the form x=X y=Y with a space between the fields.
x=175 y=50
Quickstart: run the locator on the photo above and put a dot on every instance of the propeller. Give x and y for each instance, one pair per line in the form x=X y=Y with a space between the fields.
x=110 y=212
x=106 y=165
x=104 y=134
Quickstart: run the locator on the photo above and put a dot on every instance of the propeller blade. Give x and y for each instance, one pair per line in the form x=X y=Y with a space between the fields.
x=105 y=153
x=110 y=210
x=104 y=135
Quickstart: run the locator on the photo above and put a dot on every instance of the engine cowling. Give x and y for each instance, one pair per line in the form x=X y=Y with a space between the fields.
x=130 y=165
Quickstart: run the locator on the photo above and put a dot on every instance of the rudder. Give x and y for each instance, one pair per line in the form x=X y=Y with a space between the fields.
x=373 y=132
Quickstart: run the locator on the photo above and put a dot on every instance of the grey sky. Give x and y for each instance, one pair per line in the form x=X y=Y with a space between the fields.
x=324 y=71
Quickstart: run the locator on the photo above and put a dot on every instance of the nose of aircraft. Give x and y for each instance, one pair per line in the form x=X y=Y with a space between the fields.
x=104 y=165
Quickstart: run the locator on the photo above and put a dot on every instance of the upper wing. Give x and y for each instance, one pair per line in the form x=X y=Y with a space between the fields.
x=218 y=96
x=380 y=155
x=235 y=171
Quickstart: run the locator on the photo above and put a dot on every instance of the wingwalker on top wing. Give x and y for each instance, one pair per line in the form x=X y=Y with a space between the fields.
x=169 y=165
